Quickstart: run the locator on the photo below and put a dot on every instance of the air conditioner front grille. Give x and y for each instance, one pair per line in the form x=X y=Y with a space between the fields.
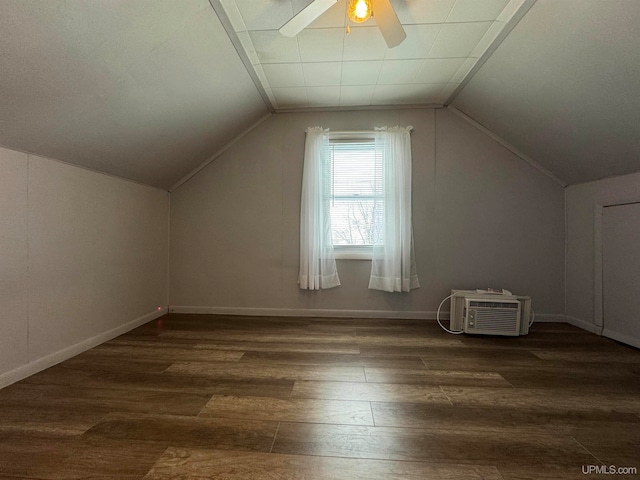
x=497 y=320
x=492 y=316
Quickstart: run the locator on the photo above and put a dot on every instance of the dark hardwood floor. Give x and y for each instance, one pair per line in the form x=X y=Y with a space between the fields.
x=248 y=398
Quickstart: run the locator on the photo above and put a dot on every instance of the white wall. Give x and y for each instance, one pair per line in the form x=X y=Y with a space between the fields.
x=583 y=279
x=83 y=257
x=482 y=217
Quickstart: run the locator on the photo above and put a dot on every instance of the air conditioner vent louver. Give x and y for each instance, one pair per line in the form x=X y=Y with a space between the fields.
x=488 y=304
x=494 y=320
x=492 y=316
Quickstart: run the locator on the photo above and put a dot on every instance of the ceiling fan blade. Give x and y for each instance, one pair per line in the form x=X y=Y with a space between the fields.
x=307 y=15
x=388 y=23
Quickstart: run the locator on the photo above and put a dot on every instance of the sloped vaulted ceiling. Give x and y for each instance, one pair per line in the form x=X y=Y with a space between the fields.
x=142 y=89
x=564 y=88
x=150 y=89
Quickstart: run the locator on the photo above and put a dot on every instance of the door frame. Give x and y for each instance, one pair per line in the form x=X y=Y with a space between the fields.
x=598 y=288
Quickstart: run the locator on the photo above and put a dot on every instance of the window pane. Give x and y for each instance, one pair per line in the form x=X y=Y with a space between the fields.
x=356 y=193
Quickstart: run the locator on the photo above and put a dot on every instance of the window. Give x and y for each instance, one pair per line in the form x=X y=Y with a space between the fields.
x=356 y=195
x=361 y=182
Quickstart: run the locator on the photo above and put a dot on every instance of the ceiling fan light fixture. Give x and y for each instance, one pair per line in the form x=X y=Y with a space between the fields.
x=359 y=11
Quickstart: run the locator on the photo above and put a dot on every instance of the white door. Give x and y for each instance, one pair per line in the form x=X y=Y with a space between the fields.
x=621 y=272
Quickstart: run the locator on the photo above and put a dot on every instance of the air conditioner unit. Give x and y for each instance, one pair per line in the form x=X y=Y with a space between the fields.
x=489 y=313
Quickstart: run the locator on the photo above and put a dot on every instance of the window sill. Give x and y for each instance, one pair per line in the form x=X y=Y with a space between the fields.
x=352 y=253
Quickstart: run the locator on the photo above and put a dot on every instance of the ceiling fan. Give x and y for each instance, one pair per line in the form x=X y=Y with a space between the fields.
x=358 y=11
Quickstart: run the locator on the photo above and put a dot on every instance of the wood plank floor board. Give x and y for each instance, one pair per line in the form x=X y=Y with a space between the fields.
x=370 y=392
x=429 y=329
x=621 y=355
x=27 y=455
x=284 y=398
x=485 y=419
x=435 y=377
x=170 y=354
x=276 y=371
x=88 y=362
x=107 y=460
x=187 y=432
x=345 y=360
x=59 y=375
x=167 y=382
x=261 y=337
x=105 y=400
x=541 y=399
x=429 y=445
x=580 y=378
x=47 y=419
x=342 y=412
x=407 y=341
x=284 y=347
x=582 y=341
x=194 y=464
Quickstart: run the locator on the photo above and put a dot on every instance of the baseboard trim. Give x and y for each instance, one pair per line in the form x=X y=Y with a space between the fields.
x=322 y=312
x=307 y=312
x=550 y=318
x=589 y=327
x=634 y=342
x=43 y=363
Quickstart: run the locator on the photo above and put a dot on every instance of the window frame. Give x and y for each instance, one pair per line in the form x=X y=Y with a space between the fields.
x=353 y=252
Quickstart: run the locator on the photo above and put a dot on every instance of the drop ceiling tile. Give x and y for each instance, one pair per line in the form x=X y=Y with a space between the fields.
x=323 y=96
x=334 y=17
x=264 y=15
x=291 y=97
x=438 y=70
x=299 y=5
x=420 y=39
x=284 y=74
x=397 y=72
x=426 y=11
x=322 y=74
x=364 y=43
x=321 y=45
x=361 y=73
x=475 y=11
x=406 y=94
x=272 y=47
x=458 y=39
x=356 y=95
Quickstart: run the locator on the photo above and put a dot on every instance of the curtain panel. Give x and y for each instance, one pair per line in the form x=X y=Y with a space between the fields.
x=317 y=260
x=393 y=265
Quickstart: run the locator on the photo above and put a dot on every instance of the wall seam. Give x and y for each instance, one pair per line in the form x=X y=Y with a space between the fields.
x=168 y=295
x=28 y=241
x=525 y=158
x=566 y=251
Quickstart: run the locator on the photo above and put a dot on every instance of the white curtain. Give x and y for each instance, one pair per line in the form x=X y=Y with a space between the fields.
x=393 y=266
x=317 y=260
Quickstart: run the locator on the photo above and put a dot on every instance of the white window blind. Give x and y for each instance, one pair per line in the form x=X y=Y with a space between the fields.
x=356 y=190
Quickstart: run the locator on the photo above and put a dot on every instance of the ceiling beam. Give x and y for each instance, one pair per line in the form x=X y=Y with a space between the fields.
x=231 y=33
x=511 y=23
